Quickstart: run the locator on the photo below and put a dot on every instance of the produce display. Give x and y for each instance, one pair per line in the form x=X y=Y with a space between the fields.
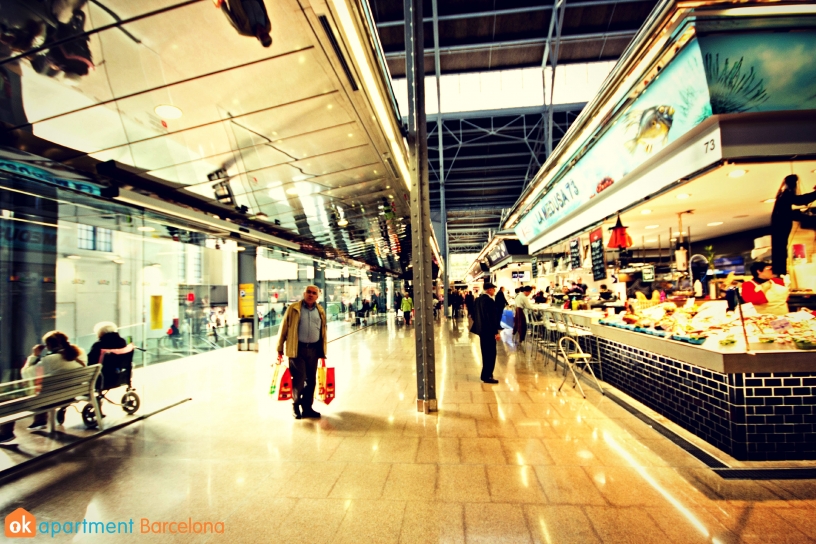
x=711 y=322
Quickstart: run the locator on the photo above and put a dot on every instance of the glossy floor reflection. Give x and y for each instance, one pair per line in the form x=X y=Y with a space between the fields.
x=514 y=462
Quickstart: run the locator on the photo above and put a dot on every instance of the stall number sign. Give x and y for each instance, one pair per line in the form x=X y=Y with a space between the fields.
x=596 y=248
x=575 y=253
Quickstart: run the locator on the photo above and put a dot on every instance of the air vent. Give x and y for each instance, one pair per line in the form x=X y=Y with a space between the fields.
x=336 y=46
x=393 y=168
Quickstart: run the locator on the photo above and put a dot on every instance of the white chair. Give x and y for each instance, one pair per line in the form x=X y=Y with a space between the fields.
x=574 y=356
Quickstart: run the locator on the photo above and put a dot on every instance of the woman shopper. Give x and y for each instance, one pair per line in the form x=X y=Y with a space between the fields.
x=782 y=218
x=54 y=355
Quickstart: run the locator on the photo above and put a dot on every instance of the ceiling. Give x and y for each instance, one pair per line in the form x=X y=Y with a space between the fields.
x=489 y=157
x=297 y=136
x=477 y=35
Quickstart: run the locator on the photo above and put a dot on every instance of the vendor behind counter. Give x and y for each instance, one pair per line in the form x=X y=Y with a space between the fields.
x=765 y=291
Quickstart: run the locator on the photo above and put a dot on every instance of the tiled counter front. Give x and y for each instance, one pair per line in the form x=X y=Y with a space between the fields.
x=751 y=416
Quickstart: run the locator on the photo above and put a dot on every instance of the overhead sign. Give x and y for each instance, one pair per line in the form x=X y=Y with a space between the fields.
x=498 y=254
x=670 y=106
x=26 y=165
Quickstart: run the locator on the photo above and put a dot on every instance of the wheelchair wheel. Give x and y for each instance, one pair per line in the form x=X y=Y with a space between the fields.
x=89 y=416
x=131 y=402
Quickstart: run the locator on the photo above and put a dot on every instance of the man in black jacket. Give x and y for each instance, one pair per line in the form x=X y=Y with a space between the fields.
x=486 y=325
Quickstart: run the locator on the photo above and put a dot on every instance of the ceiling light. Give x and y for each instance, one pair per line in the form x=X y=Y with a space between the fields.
x=350 y=134
x=769 y=201
x=683 y=196
x=390 y=196
x=146 y=229
x=343 y=222
x=715 y=223
x=165 y=111
x=240 y=248
x=736 y=173
x=645 y=212
x=387 y=186
x=329 y=107
x=75 y=257
x=650 y=227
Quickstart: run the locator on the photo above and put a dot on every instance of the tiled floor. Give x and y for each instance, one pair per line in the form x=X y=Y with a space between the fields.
x=515 y=462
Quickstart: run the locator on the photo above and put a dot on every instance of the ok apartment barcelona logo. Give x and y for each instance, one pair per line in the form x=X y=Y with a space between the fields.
x=22 y=524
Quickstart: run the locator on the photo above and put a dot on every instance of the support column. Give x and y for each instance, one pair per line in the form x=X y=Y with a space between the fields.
x=420 y=208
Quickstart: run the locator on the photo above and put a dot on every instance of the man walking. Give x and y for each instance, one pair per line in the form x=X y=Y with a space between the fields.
x=303 y=331
x=486 y=325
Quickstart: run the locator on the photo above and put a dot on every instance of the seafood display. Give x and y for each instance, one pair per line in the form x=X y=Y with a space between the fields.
x=696 y=325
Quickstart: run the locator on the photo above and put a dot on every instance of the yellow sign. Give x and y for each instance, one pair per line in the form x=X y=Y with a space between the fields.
x=156 y=313
x=246 y=300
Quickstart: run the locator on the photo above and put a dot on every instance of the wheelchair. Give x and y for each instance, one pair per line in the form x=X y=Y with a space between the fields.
x=117 y=370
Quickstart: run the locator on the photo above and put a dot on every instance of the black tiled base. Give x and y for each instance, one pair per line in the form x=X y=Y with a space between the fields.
x=752 y=417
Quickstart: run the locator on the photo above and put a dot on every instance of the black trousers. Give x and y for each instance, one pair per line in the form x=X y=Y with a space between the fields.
x=303 y=369
x=488 y=347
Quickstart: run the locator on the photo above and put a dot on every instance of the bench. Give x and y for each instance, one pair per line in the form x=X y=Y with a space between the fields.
x=28 y=397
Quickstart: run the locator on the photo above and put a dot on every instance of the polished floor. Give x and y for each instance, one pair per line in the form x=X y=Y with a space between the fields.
x=514 y=462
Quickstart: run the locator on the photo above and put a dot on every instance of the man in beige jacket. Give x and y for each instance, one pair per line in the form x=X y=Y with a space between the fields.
x=303 y=332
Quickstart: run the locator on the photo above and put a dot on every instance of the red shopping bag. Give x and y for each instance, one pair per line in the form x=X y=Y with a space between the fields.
x=273 y=389
x=285 y=389
x=325 y=383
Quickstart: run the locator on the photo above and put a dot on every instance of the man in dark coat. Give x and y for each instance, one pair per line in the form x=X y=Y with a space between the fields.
x=486 y=325
x=249 y=18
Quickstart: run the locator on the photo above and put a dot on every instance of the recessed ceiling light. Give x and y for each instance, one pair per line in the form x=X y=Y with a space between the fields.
x=769 y=201
x=683 y=196
x=387 y=186
x=737 y=173
x=329 y=107
x=292 y=191
x=74 y=257
x=350 y=134
x=390 y=196
x=166 y=111
x=290 y=258
x=715 y=223
x=645 y=212
x=146 y=229
x=650 y=227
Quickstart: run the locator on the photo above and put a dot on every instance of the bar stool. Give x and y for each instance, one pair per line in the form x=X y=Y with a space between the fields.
x=573 y=355
x=550 y=334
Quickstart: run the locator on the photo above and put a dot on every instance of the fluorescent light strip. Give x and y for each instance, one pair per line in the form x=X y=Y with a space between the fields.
x=350 y=32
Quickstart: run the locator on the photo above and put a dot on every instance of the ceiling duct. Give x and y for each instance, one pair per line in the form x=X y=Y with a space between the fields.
x=336 y=46
x=390 y=162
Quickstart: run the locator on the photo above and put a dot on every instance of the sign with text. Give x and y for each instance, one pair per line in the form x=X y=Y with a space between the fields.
x=648 y=273
x=575 y=253
x=596 y=249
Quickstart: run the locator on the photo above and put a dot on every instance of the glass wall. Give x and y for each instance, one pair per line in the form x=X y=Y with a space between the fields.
x=70 y=261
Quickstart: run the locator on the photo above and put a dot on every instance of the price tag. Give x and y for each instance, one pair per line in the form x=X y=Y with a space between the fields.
x=781 y=325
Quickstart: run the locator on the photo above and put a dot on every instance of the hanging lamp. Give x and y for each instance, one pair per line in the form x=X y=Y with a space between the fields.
x=620 y=239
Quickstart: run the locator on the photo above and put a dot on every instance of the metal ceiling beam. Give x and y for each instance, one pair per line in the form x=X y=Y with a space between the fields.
x=590 y=36
x=509 y=112
x=441 y=151
x=511 y=11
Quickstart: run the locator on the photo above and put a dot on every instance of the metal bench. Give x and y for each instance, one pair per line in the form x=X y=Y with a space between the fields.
x=29 y=397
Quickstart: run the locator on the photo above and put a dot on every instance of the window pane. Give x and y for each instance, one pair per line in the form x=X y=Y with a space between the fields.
x=85 y=237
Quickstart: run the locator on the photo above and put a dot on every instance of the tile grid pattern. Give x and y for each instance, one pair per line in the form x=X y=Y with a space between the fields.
x=752 y=417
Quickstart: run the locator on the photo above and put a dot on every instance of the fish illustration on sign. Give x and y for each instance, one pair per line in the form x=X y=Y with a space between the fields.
x=653 y=127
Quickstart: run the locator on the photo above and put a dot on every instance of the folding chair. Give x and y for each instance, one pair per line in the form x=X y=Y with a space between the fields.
x=573 y=355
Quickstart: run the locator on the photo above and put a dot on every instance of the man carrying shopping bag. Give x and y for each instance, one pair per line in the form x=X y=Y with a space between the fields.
x=303 y=333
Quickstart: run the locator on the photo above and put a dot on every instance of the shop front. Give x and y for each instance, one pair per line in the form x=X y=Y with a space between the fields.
x=670 y=201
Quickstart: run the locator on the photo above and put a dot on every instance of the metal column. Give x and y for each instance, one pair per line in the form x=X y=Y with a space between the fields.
x=442 y=211
x=551 y=53
x=420 y=208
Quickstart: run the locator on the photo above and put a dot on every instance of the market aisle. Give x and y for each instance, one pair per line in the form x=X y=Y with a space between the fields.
x=515 y=462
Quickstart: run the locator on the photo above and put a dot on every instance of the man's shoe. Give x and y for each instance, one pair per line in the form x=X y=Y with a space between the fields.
x=7 y=438
x=296 y=410
x=311 y=414
x=491 y=380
